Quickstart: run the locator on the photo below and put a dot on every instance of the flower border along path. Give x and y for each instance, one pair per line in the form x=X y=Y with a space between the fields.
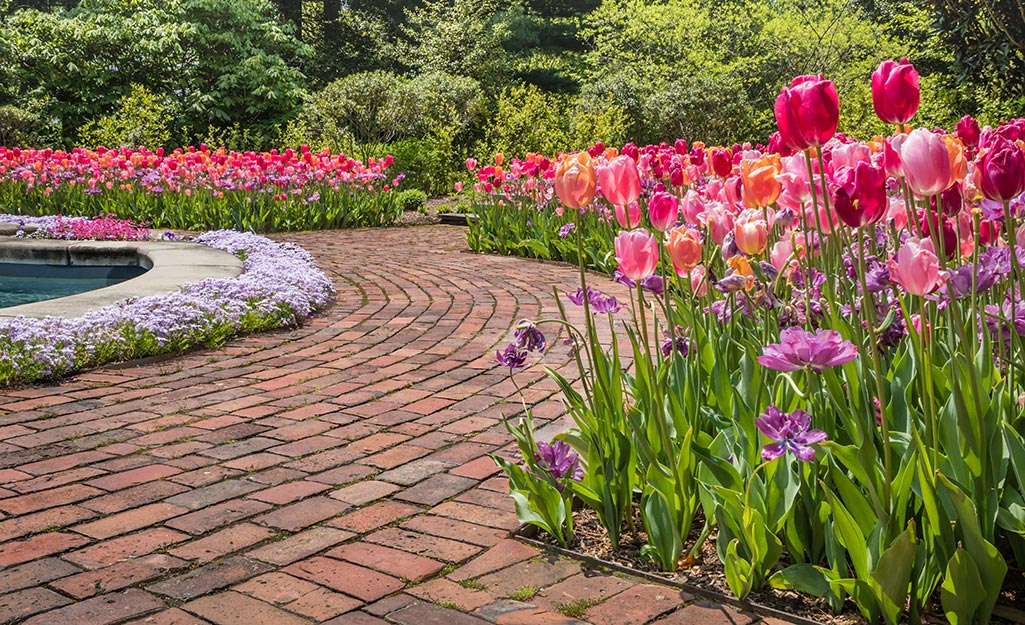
x=332 y=473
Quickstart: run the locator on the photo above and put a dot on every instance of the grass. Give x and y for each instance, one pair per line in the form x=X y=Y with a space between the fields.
x=577 y=607
x=471 y=583
x=525 y=593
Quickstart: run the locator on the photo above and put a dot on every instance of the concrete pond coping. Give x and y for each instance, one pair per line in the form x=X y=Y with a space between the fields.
x=169 y=265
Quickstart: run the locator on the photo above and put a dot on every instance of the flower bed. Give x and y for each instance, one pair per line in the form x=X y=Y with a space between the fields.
x=202 y=189
x=823 y=372
x=280 y=286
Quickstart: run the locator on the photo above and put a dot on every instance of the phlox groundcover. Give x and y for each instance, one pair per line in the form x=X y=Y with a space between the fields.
x=280 y=286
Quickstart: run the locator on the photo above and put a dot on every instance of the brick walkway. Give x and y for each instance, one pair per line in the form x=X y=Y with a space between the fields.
x=335 y=473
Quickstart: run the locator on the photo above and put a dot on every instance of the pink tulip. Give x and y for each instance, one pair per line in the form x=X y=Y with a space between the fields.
x=916 y=267
x=807 y=112
x=693 y=205
x=628 y=216
x=636 y=253
x=620 y=181
x=663 y=211
x=895 y=91
x=968 y=131
x=471 y=164
x=698 y=284
x=925 y=161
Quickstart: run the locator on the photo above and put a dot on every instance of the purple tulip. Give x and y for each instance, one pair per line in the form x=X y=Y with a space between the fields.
x=791 y=433
x=513 y=357
x=560 y=460
x=799 y=348
x=528 y=337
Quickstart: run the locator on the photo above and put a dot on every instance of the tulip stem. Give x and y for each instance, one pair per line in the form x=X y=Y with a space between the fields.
x=868 y=306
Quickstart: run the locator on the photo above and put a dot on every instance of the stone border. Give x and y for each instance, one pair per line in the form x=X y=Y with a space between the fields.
x=170 y=265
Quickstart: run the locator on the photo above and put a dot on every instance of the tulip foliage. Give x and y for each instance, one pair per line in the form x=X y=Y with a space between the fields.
x=822 y=366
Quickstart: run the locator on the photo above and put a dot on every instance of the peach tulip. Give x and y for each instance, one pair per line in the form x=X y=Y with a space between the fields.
x=575 y=180
x=685 y=249
x=761 y=188
x=751 y=232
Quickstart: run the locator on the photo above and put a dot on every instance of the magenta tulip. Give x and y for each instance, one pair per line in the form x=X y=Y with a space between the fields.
x=663 y=211
x=925 y=161
x=895 y=91
x=807 y=112
x=620 y=181
x=968 y=131
x=636 y=253
x=1001 y=170
x=861 y=199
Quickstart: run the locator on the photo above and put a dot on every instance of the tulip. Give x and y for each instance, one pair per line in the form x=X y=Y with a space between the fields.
x=693 y=205
x=751 y=232
x=862 y=201
x=575 y=180
x=636 y=253
x=895 y=91
x=931 y=224
x=698 y=284
x=1001 y=170
x=925 y=162
x=968 y=131
x=620 y=181
x=628 y=216
x=722 y=162
x=663 y=211
x=685 y=249
x=807 y=112
x=759 y=179
x=956 y=155
x=916 y=267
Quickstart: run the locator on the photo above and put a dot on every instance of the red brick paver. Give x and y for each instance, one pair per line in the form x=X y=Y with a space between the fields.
x=335 y=473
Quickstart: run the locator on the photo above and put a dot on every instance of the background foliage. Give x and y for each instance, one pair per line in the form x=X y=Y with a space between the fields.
x=437 y=81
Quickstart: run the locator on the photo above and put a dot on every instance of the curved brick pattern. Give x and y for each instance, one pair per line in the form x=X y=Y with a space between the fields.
x=336 y=473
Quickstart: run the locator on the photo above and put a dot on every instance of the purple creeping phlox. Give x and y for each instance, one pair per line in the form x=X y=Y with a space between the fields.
x=798 y=348
x=560 y=460
x=280 y=285
x=791 y=433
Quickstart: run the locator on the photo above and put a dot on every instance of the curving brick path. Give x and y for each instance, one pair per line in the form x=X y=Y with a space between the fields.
x=331 y=474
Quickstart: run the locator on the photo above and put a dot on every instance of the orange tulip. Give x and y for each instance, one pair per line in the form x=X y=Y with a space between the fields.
x=759 y=179
x=575 y=180
x=958 y=162
x=684 y=249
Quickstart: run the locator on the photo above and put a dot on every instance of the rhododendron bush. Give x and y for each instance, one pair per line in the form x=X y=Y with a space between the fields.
x=822 y=363
x=200 y=188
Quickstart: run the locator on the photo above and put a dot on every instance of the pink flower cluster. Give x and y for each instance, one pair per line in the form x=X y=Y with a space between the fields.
x=195 y=170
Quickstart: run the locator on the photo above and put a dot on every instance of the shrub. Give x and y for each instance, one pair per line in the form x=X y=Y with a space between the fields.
x=141 y=118
x=18 y=126
x=412 y=200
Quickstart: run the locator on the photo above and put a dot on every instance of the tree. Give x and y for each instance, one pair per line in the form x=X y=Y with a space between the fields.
x=221 y=62
x=988 y=41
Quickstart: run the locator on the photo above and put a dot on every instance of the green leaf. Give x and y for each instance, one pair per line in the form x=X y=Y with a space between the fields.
x=803 y=577
x=892 y=575
x=738 y=571
x=962 y=592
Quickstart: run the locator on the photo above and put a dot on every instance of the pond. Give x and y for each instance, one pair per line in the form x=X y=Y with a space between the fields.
x=25 y=283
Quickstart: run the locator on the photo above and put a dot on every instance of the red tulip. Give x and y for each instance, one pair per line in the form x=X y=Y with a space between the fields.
x=636 y=253
x=722 y=162
x=807 y=112
x=1001 y=170
x=895 y=91
x=620 y=181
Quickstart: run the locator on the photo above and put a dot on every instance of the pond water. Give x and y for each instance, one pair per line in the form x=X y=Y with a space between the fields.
x=24 y=283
